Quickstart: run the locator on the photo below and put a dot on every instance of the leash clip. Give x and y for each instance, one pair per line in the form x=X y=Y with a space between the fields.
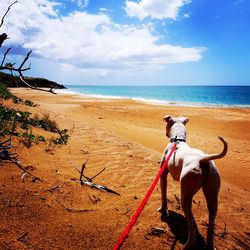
x=175 y=140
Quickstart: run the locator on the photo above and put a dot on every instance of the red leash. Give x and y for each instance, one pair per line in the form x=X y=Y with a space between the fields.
x=143 y=203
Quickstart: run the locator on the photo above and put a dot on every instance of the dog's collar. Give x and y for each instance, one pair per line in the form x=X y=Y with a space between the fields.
x=175 y=139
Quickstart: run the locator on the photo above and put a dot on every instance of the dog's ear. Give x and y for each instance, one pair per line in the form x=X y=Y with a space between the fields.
x=168 y=118
x=184 y=120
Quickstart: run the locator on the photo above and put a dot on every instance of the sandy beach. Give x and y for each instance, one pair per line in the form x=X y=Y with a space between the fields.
x=126 y=138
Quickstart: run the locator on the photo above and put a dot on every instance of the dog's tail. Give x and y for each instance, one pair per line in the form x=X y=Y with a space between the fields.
x=211 y=157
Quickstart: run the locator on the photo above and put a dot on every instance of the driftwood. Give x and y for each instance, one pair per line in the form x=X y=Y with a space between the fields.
x=82 y=170
x=156 y=231
x=53 y=188
x=94 y=199
x=35 y=178
x=96 y=186
x=89 y=181
x=7 y=155
x=72 y=209
x=21 y=238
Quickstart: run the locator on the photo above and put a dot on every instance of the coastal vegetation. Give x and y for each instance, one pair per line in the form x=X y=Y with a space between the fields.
x=16 y=122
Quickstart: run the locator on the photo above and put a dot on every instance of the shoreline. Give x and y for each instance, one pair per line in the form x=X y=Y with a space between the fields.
x=154 y=101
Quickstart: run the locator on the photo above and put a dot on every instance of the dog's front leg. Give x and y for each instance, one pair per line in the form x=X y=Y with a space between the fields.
x=163 y=182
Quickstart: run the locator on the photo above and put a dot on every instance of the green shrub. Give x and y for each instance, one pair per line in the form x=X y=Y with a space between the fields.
x=10 y=118
x=63 y=139
x=29 y=138
x=30 y=103
x=5 y=94
x=48 y=124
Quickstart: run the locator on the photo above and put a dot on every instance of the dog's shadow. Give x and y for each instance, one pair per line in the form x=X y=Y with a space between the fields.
x=178 y=225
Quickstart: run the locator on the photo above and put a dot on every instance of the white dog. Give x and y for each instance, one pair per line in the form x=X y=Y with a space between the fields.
x=194 y=169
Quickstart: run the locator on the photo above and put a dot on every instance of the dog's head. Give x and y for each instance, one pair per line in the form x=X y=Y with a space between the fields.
x=171 y=122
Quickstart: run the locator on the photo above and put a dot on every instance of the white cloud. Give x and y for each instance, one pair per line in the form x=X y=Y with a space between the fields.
x=26 y=16
x=158 y=9
x=89 y=41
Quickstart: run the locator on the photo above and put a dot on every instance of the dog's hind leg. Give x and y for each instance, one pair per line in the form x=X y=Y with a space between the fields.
x=190 y=184
x=163 y=182
x=192 y=228
x=211 y=191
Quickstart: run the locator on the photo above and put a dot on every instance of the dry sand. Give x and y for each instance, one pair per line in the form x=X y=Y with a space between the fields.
x=127 y=138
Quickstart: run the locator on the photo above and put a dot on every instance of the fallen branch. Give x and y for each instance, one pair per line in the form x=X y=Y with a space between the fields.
x=96 y=186
x=126 y=212
x=53 y=188
x=6 y=155
x=82 y=170
x=94 y=200
x=26 y=171
x=72 y=209
x=88 y=181
x=225 y=232
x=156 y=231
x=28 y=85
x=2 y=146
x=97 y=174
x=78 y=169
x=22 y=237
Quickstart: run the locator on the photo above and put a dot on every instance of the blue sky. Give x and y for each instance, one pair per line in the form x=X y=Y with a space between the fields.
x=126 y=42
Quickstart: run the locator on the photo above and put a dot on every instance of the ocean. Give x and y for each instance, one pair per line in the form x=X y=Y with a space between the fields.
x=214 y=96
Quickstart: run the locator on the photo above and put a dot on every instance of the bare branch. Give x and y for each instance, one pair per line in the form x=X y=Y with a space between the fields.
x=53 y=188
x=24 y=61
x=2 y=21
x=72 y=209
x=26 y=171
x=21 y=238
x=97 y=174
x=5 y=54
x=3 y=37
x=20 y=69
x=32 y=87
x=96 y=186
x=82 y=170
x=81 y=174
x=2 y=143
x=10 y=66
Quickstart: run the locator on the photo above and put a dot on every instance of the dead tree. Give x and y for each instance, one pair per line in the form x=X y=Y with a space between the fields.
x=12 y=66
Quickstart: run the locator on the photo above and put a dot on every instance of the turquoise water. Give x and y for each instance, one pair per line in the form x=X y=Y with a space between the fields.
x=227 y=96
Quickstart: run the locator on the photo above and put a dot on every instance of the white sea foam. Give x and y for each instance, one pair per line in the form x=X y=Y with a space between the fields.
x=149 y=100
x=188 y=104
x=65 y=91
